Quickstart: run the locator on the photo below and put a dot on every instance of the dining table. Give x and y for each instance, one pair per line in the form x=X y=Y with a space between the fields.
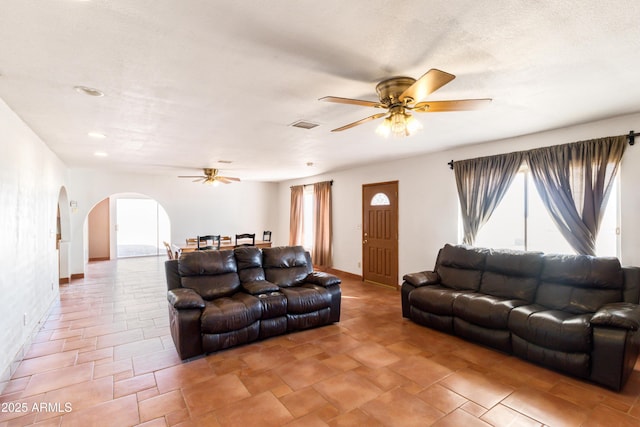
x=224 y=245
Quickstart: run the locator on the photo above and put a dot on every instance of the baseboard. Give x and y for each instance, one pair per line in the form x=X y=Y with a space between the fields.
x=63 y=281
x=383 y=285
x=99 y=259
x=77 y=276
x=345 y=274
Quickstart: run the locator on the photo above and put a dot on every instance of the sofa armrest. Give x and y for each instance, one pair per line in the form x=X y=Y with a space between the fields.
x=323 y=279
x=258 y=287
x=622 y=315
x=422 y=278
x=184 y=298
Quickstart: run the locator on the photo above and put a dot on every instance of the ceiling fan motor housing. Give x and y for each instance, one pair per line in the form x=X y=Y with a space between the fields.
x=389 y=90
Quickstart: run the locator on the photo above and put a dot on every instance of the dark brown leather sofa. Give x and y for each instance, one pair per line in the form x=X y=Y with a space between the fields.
x=574 y=313
x=219 y=299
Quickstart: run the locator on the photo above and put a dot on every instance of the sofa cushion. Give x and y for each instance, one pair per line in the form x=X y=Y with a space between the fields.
x=460 y=267
x=485 y=310
x=511 y=274
x=229 y=314
x=212 y=274
x=286 y=266
x=577 y=364
x=306 y=299
x=434 y=299
x=201 y=263
x=462 y=256
x=579 y=283
x=249 y=260
x=583 y=271
x=552 y=329
x=284 y=257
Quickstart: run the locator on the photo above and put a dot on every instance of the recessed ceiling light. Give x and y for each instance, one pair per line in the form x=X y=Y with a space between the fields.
x=309 y=164
x=100 y=154
x=97 y=135
x=226 y=162
x=88 y=91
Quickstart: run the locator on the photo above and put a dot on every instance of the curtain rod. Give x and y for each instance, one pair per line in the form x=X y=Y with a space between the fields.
x=306 y=185
x=631 y=139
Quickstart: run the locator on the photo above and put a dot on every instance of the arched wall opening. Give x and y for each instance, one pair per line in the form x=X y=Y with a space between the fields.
x=125 y=225
x=63 y=235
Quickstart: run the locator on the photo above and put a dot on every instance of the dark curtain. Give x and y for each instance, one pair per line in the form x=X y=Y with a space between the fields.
x=321 y=253
x=574 y=182
x=296 y=215
x=482 y=183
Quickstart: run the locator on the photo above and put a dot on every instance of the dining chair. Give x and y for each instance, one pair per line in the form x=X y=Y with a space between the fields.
x=170 y=253
x=191 y=241
x=203 y=242
x=245 y=239
x=266 y=236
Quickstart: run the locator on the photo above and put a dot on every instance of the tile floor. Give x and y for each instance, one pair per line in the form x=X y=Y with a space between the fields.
x=105 y=357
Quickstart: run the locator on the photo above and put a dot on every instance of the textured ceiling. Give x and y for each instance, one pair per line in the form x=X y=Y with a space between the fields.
x=189 y=83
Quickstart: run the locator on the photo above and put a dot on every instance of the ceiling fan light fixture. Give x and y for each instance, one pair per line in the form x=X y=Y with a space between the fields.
x=399 y=124
x=412 y=125
x=384 y=128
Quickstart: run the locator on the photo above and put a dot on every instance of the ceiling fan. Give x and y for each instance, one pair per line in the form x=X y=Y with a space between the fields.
x=401 y=95
x=211 y=177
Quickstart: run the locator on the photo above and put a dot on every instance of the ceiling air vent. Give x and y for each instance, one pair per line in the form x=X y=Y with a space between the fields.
x=304 y=124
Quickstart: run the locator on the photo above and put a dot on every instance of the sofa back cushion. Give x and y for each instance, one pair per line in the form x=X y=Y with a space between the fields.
x=212 y=274
x=286 y=266
x=460 y=267
x=249 y=260
x=579 y=283
x=511 y=274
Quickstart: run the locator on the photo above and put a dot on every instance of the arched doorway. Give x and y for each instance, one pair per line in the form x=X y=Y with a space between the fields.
x=63 y=236
x=126 y=225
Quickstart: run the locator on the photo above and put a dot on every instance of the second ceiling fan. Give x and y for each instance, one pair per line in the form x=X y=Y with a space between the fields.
x=401 y=95
x=211 y=177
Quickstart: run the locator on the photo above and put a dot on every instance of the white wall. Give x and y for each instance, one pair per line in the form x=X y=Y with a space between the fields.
x=428 y=204
x=193 y=208
x=31 y=178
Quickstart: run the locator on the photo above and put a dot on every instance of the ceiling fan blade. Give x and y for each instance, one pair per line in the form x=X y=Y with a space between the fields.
x=223 y=180
x=455 y=105
x=350 y=101
x=430 y=81
x=229 y=178
x=202 y=178
x=359 y=122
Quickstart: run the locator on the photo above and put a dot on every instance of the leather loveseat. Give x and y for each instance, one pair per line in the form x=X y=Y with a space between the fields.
x=219 y=299
x=574 y=313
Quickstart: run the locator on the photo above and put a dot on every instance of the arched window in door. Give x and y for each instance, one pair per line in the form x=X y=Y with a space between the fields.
x=380 y=199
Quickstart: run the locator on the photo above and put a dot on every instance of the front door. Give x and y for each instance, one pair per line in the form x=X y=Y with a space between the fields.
x=380 y=233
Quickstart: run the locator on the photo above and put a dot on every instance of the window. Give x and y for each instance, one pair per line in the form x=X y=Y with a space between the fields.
x=522 y=222
x=380 y=199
